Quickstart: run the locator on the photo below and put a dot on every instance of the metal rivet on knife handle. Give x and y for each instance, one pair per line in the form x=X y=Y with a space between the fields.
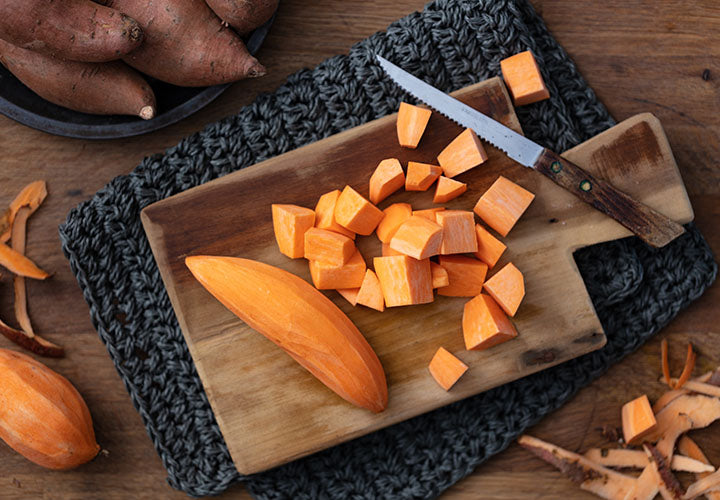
x=585 y=185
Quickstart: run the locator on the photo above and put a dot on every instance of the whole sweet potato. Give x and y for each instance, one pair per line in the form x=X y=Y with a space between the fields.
x=110 y=88
x=78 y=30
x=243 y=15
x=186 y=44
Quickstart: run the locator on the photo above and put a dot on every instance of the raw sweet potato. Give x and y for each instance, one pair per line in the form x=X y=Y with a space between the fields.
x=355 y=213
x=489 y=247
x=243 y=15
x=502 y=205
x=370 y=293
x=485 y=324
x=507 y=287
x=458 y=231
x=420 y=176
x=328 y=247
x=332 y=277
x=429 y=213
x=77 y=30
x=411 y=123
x=523 y=79
x=418 y=237
x=462 y=154
x=290 y=223
x=440 y=276
x=325 y=214
x=638 y=419
x=466 y=275
x=446 y=369
x=448 y=189
x=387 y=178
x=110 y=88
x=395 y=215
x=404 y=281
x=31 y=196
x=299 y=319
x=186 y=44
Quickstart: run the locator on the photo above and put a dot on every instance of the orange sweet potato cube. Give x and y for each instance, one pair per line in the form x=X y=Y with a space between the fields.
x=466 y=275
x=289 y=224
x=370 y=293
x=325 y=214
x=349 y=294
x=446 y=369
x=489 y=247
x=354 y=212
x=387 y=251
x=502 y=205
x=420 y=176
x=523 y=78
x=418 y=237
x=328 y=247
x=507 y=287
x=395 y=215
x=458 y=231
x=387 y=178
x=448 y=189
x=329 y=277
x=428 y=213
x=404 y=281
x=638 y=419
x=440 y=276
x=411 y=123
x=485 y=324
x=463 y=153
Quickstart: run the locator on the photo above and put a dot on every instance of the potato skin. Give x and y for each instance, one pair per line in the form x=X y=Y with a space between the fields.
x=186 y=44
x=77 y=30
x=110 y=88
x=244 y=15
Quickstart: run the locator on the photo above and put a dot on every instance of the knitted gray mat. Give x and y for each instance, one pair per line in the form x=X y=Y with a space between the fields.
x=450 y=44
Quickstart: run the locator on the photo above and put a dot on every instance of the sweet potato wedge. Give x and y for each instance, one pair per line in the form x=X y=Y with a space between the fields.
x=387 y=178
x=411 y=123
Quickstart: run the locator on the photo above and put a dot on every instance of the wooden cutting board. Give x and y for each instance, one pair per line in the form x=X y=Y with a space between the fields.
x=269 y=409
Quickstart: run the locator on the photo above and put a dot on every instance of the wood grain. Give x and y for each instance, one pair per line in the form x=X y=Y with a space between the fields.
x=269 y=409
x=634 y=61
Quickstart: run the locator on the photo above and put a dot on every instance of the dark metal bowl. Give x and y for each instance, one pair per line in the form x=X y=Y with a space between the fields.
x=173 y=103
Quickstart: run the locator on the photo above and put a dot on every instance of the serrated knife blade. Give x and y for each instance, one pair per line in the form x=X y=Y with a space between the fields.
x=649 y=225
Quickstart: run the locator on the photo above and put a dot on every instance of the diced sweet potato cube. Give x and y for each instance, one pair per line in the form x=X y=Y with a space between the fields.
x=466 y=275
x=446 y=369
x=349 y=294
x=638 y=419
x=485 y=324
x=328 y=277
x=463 y=153
x=404 y=281
x=387 y=251
x=328 y=247
x=489 y=247
x=354 y=212
x=371 y=294
x=387 y=178
x=325 y=214
x=523 y=78
x=411 y=123
x=448 y=189
x=458 y=231
x=428 y=213
x=507 y=287
x=395 y=215
x=418 y=237
x=420 y=176
x=289 y=224
x=439 y=275
x=502 y=205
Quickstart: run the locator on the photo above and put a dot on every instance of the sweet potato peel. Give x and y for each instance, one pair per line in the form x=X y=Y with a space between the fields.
x=31 y=196
x=687 y=369
x=18 y=244
x=33 y=343
x=669 y=481
x=664 y=361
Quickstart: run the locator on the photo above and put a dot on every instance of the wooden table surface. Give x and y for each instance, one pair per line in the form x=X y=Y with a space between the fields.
x=656 y=56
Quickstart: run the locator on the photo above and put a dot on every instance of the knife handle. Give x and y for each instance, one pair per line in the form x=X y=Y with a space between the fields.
x=649 y=225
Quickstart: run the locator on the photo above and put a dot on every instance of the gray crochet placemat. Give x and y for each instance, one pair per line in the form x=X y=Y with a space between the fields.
x=451 y=44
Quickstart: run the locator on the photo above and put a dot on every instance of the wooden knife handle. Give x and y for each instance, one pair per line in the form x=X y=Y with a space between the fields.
x=649 y=225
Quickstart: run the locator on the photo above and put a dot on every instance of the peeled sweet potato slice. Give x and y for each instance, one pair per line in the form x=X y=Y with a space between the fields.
x=448 y=189
x=466 y=275
x=290 y=222
x=325 y=214
x=638 y=419
x=330 y=277
x=462 y=154
x=299 y=319
x=485 y=324
x=418 y=237
x=440 y=276
x=523 y=79
x=395 y=215
x=370 y=293
x=458 y=228
x=411 y=123
x=404 y=281
x=446 y=369
x=354 y=212
x=328 y=247
x=507 y=287
x=502 y=205
x=489 y=247
x=387 y=178
x=420 y=176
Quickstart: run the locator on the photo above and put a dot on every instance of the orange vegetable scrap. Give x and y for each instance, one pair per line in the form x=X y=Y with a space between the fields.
x=463 y=153
x=395 y=215
x=440 y=276
x=329 y=277
x=448 y=189
x=458 y=231
x=18 y=264
x=507 y=287
x=370 y=293
x=290 y=223
x=489 y=247
x=387 y=178
x=638 y=419
x=466 y=275
x=428 y=213
x=411 y=123
x=325 y=214
x=349 y=294
x=523 y=79
x=484 y=324
x=502 y=205
x=446 y=369
x=404 y=281
x=354 y=212
x=328 y=247
x=418 y=237
x=420 y=176
x=388 y=252
x=31 y=196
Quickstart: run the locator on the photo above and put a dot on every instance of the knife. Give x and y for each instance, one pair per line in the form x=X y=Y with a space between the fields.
x=649 y=225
